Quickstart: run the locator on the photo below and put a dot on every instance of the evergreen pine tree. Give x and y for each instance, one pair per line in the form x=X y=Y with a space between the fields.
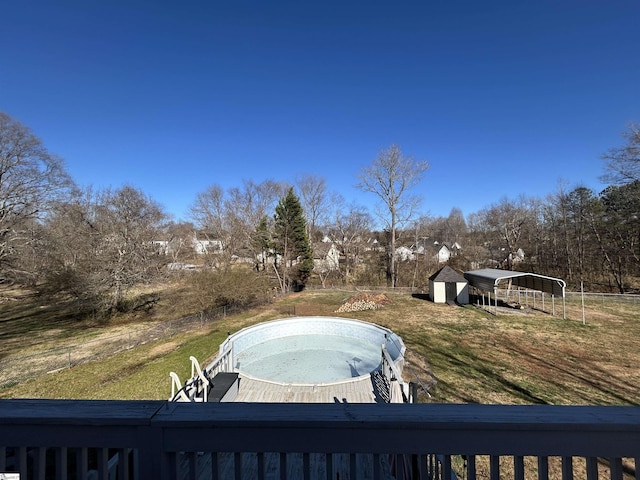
x=261 y=243
x=291 y=244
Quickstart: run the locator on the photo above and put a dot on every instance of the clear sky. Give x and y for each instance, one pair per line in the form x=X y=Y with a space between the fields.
x=502 y=97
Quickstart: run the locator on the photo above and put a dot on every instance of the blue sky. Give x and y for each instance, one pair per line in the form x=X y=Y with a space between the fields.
x=502 y=98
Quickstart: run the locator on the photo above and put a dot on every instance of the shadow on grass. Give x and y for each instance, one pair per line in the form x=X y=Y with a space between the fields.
x=583 y=371
x=421 y=296
x=479 y=370
x=34 y=319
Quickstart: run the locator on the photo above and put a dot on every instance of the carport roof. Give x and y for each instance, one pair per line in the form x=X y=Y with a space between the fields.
x=488 y=278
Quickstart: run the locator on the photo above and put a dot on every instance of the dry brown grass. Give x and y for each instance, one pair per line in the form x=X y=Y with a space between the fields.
x=477 y=357
x=471 y=355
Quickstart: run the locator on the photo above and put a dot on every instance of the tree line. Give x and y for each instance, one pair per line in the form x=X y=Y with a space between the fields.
x=96 y=245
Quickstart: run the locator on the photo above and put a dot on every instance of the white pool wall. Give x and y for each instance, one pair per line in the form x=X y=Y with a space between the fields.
x=317 y=325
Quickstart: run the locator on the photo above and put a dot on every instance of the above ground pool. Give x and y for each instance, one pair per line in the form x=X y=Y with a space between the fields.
x=311 y=350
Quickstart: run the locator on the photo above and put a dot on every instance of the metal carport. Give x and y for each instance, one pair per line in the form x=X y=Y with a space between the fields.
x=488 y=280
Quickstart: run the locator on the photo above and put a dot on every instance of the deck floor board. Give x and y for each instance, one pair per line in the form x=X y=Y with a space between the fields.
x=358 y=391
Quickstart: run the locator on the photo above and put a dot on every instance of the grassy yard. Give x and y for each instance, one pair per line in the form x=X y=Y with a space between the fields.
x=471 y=355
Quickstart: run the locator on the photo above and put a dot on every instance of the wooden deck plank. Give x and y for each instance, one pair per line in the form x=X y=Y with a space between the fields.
x=358 y=391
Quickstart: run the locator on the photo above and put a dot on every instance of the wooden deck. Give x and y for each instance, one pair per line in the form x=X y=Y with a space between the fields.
x=358 y=391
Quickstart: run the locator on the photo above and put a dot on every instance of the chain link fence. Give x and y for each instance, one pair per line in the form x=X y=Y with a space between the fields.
x=16 y=370
x=537 y=300
x=593 y=299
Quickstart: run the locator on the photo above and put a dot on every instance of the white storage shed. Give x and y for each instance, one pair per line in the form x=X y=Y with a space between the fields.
x=448 y=286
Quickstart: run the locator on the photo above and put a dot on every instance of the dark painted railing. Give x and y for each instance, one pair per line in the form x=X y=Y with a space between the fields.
x=167 y=440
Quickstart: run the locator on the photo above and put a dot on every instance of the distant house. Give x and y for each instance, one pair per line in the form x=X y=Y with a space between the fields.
x=443 y=254
x=447 y=285
x=206 y=246
x=455 y=247
x=517 y=257
x=201 y=246
x=161 y=246
x=439 y=252
x=372 y=245
x=405 y=254
x=326 y=257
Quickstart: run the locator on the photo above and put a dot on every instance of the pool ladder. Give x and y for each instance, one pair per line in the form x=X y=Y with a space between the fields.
x=196 y=389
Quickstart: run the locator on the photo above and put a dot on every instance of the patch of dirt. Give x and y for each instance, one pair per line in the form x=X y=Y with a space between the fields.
x=163 y=348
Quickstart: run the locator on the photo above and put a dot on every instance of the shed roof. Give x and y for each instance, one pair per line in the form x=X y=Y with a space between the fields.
x=488 y=278
x=447 y=274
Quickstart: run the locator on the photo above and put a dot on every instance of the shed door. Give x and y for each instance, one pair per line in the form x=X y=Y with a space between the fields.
x=451 y=292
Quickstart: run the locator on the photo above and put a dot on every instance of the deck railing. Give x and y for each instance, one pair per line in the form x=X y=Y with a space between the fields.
x=167 y=440
x=399 y=391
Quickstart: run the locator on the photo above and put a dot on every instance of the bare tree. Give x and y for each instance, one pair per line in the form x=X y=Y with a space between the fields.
x=30 y=179
x=391 y=176
x=179 y=237
x=313 y=197
x=232 y=218
x=251 y=208
x=129 y=222
x=617 y=231
x=568 y=241
x=72 y=243
x=208 y=210
x=212 y=217
x=504 y=224
x=456 y=226
x=101 y=245
x=623 y=163
x=351 y=225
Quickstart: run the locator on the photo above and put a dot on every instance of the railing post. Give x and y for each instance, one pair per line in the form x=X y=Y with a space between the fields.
x=61 y=462
x=543 y=468
x=567 y=467
x=615 y=468
x=494 y=467
x=151 y=461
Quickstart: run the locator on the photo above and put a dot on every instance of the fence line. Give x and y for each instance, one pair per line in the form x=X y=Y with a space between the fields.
x=16 y=370
x=570 y=295
x=604 y=297
x=364 y=288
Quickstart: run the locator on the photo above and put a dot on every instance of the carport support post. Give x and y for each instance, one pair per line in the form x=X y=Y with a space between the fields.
x=553 y=305
x=534 y=299
x=495 y=299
